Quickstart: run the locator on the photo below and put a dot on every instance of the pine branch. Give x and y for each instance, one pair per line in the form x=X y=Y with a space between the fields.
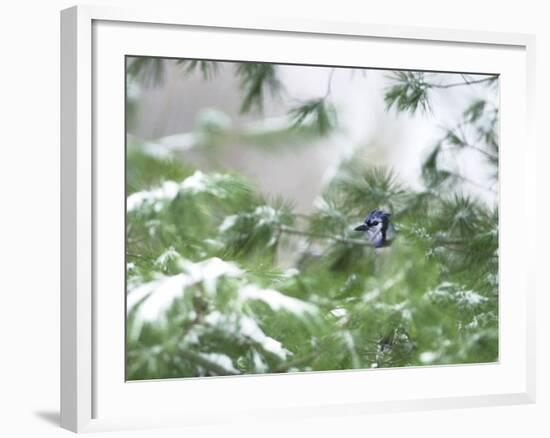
x=329 y=83
x=298 y=362
x=409 y=92
x=150 y=71
x=340 y=239
x=472 y=182
x=459 y=84
x=317 y=113
x=255 y=80
x=205 y=363
x=138 y=256
x=208 y=69
x=483 y=152
x=463 y=142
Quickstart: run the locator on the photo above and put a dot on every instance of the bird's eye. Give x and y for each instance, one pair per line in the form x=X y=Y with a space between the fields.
x=374 y=223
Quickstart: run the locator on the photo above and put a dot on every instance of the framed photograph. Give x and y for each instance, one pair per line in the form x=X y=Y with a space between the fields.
x=271 y=218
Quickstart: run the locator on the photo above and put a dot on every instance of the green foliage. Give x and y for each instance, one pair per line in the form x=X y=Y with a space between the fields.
x=474 y=112
x=256 y=80
x=146 y=171
x=359 y=185
x=208 y=69
x=317 y=113
x=149 y=71
x=431 y=300
x=222 y=280
x=215 y=130
x=477 y=131
x=408 y=93
x=152 y=71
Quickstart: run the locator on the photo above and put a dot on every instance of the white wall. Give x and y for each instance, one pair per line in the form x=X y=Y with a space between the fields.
x=29 y=219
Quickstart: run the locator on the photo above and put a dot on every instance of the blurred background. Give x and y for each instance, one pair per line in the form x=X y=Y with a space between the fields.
x=197 y=114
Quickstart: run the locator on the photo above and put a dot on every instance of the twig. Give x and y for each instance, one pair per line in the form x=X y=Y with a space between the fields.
x=475 y=184
x=468 y=145
x=329 y=84
x=475 y=148
x=458 y=84
x=487 y=154
x=294 y=231
x=465 y=78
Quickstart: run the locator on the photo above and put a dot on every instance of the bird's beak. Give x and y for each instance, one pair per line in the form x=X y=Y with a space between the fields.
x=361 y=227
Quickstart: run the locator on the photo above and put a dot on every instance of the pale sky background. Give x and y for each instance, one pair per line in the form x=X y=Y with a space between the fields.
x=298 y=173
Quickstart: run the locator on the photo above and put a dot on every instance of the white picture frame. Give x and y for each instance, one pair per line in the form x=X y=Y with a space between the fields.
x=92 y=392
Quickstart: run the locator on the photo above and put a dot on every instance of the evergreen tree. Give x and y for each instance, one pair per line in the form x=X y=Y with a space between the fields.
x=205 y=292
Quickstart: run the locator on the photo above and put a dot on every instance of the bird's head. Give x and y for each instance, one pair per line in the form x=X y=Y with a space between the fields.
x=375 y=227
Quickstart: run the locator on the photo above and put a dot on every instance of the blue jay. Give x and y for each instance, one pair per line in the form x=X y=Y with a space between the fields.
x=377 y=228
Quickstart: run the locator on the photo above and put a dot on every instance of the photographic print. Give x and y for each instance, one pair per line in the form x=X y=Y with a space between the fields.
x=301 y=218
